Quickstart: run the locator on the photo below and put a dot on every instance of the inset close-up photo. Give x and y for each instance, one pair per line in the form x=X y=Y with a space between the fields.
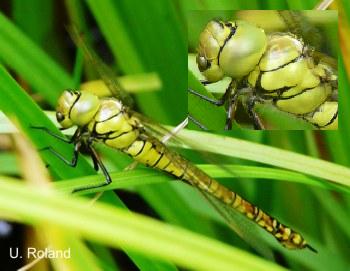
x=274 y=70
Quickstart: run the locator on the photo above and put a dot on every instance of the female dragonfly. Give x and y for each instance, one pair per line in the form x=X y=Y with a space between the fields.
x=109 y=121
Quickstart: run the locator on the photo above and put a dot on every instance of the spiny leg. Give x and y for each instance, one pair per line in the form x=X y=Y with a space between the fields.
x=99 y=164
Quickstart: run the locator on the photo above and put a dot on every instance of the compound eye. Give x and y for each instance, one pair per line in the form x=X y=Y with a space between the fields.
x=202 y=63
x=59 y=116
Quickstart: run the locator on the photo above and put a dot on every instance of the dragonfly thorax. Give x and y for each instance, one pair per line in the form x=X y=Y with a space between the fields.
x=76 y=108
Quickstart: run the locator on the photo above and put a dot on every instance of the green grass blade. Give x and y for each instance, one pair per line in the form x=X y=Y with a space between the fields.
x=140 y=177
x=117 y=228
x=116 y=35
x=268 y=155
x=34 y=65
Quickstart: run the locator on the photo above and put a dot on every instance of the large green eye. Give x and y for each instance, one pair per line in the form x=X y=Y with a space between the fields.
x=202 y=62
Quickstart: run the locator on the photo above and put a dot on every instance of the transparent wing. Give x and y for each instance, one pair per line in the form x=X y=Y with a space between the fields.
x=299 y=25
x=320 y=57
x=245 y=228
x=104 y=71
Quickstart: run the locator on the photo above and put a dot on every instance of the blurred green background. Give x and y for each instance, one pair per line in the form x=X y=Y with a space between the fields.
x=138 y=37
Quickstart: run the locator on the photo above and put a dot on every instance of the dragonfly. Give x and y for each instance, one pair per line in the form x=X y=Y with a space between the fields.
x=109 y=121
x=279 y=70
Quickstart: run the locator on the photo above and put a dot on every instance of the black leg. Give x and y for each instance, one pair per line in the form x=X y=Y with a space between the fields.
x=197 y=122
x=95 y=162
x=233 y=95
x=59 y=137
x=219 y=102
x=73 y=162
x=96 y=159
x=311 y=248
x=253 y=115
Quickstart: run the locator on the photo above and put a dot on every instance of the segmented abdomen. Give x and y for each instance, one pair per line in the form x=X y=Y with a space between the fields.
x=117 y=129
x=154 y=154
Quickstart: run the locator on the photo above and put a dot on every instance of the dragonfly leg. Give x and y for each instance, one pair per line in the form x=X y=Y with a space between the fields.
x=95 y=162
x=73 y=162
x=59 y=137
x=232 y=98
x=230 y=114
x=258 y=125
x=197 y=122
x=216 y=102
x=99 y=164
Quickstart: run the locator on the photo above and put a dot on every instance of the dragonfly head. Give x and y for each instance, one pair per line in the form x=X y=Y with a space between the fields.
x=76 y=108
x=229 y=49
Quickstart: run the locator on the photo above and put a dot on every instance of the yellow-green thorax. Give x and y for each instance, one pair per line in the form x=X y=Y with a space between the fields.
x=289 y=75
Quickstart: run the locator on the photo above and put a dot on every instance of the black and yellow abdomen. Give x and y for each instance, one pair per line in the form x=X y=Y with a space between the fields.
x=153 y=153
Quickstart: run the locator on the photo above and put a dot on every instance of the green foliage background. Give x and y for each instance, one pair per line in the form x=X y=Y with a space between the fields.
x=151 y=36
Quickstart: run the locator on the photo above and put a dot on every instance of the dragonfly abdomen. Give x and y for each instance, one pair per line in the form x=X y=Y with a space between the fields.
x=117 y=129
x=285 y=235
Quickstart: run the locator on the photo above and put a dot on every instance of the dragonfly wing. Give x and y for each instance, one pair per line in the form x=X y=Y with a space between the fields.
x=157 y=130
x=104 y=71
x=245 y=228
x=298 y=24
